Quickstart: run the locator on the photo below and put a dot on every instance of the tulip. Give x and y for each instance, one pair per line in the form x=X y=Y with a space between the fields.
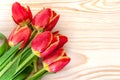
x=19 y=34
x=56 y=61
x=20 y=14
x=52 y=63
x=46 y=42
x=46 y=19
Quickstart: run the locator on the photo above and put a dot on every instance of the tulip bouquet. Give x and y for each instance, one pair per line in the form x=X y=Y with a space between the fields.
x=30 y=44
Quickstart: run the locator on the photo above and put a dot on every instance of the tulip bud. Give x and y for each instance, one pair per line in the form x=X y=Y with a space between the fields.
x=46 y=19
x=45 y=43
x=62 y=39
x=53 y=21
x=56 y=61
x=20 y=14
x=19 y=34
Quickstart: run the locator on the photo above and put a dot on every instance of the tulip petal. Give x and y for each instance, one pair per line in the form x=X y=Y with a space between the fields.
x=63 y=40
x=29 y=12
x=41 y=19
x=54 y=13
x=52 y=23
x=12 y=34
x=51 y=47
x=53 y=56
x=58 y=65
x=19 y=34
x=15 y=12
x=55 y=33
x=20 y=14
x=41 y=41
x=23 y=35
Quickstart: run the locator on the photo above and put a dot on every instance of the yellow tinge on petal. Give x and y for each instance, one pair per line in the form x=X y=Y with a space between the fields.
x=11 y=44
x=24 y=22
x=37 y=53
x=46 y=67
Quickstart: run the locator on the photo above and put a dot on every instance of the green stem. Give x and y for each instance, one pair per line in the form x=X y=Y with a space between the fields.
x=12 y=51
x=26 y=62
x=35 y=64
x=3 y=44
x=33 y=35
x=8 y=66
x=6 y=62
x=38 y=75
x=24 y=74
x=24 y=65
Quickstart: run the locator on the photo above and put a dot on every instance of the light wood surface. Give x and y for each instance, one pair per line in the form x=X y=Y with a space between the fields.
x=93 y=28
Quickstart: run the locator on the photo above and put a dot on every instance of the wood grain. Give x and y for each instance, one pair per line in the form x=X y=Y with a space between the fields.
x=93 y=28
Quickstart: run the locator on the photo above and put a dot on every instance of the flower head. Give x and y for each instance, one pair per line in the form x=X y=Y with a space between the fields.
x=46 y=42
x=56 y=61
x=19 y=34
x=46 y=19
x=20 y=14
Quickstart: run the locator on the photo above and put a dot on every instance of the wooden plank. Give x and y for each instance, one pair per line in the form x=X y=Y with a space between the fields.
x=93 y=28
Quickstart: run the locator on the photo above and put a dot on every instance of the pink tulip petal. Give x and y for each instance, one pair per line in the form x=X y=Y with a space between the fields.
x=63 y=40
x=29 y=13
x=42 y=41
x=53 y=56
x=52 y=23
x=51 y=47
x=58 y=65
x=20 y=34
x=55 y=33
x=42 y=18
x=11 y=34
x=21 y=14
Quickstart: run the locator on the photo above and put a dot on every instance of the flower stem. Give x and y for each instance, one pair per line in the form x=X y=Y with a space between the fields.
x=25 y=63
x=35 y=64
x=3 y=44
x=8 y=66
x=38 y=75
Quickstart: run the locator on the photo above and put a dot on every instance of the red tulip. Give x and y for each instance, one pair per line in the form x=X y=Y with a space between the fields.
x=46 y=42
x=56 y=61
x=20 y=14
x=46 y=19
x=19 y=34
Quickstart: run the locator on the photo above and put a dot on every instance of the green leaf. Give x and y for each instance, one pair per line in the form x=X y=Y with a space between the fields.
x=9 y=70
x=6 y=62
x=9 y=53
x=25 y=64
x=25 y=54
x=3 y=44
x=38 y=75
x=24 y=74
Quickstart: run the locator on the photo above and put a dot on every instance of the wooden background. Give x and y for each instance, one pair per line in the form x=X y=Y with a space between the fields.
x=93 y=28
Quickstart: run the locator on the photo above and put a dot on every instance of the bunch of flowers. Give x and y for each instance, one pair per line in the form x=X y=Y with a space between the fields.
x=30 y=42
